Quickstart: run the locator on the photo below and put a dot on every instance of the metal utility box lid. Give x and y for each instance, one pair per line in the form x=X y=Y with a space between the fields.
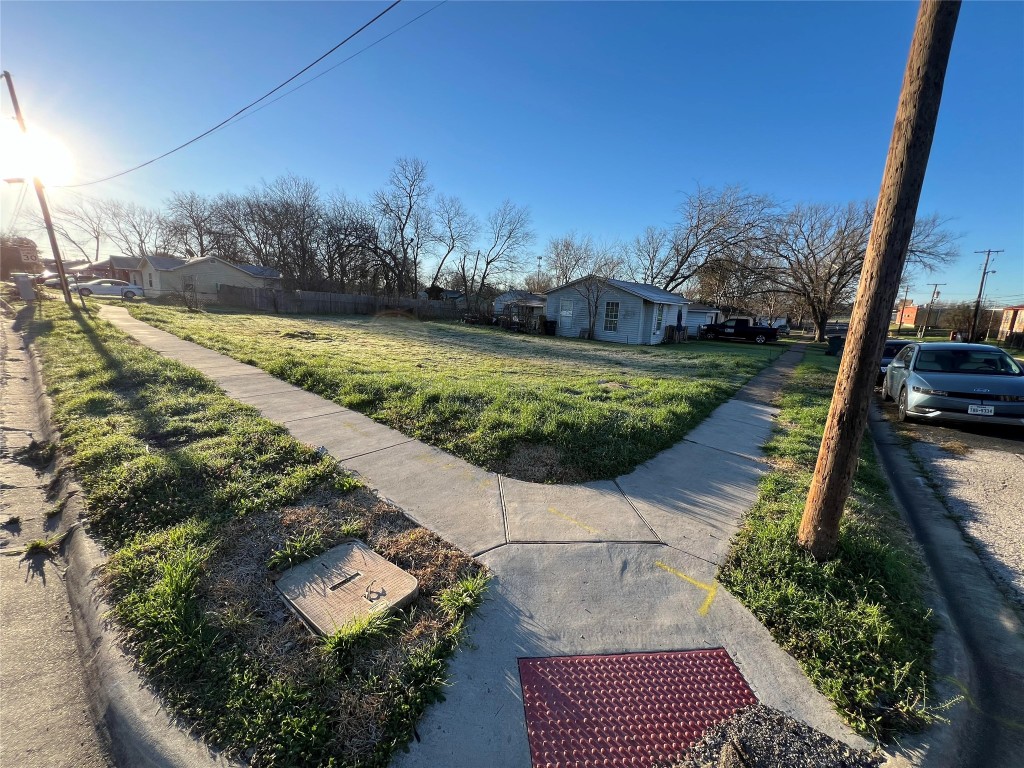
x=343 y=583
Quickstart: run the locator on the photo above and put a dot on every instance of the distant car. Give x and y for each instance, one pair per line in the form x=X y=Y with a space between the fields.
x=54 y=282
x=892 y=348
x=956 y=382
x=107 y=287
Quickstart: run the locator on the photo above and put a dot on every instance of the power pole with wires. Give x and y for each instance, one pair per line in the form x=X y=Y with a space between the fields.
x=42 y=199
x=985 y=272
x=903 y=307
x=895 y=214
x=928 y=310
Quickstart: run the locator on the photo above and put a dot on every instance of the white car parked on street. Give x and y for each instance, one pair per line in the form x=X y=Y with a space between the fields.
x=108 y=287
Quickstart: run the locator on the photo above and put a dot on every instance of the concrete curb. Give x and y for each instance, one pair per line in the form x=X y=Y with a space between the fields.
x=960 y=666
x=130 y=718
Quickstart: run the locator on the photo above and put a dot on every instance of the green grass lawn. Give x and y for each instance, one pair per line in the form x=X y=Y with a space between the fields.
x=532 y=407
x=857 y=624
x=201 y=503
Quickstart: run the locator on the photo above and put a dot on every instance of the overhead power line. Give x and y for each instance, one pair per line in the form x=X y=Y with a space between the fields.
x=243 y=109
x=361 y=51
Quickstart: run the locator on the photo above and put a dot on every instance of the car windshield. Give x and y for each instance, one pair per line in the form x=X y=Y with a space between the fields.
x=992 y=362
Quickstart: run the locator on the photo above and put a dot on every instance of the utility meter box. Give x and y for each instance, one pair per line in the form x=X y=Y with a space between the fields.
x=346 y=582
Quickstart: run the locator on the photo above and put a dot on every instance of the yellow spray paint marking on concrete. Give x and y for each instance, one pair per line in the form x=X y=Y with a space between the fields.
x=574 y=521
x=711 y=588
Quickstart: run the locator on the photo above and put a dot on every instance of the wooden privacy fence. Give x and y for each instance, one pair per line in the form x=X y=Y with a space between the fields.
x=324 y=303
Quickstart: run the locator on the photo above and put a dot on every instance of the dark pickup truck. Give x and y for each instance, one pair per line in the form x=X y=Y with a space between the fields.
x=740 y=329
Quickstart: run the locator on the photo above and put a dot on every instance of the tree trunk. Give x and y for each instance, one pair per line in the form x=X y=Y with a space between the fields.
x=880 y=276
x=820 y=323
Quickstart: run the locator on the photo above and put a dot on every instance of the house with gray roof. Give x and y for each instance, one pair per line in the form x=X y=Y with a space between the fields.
x=617 y=310
x=168 y=275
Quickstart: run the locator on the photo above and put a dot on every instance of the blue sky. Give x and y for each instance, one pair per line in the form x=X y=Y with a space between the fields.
x=598 y=116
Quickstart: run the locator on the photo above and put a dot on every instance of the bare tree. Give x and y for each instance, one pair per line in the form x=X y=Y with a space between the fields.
x=191 y=221
x=714 y=225
x=348 y=261
x=539 y=282
x=506 y=234
x=135 y=229
x=82 y=225
x=454 y=230
x=404 y=221
x=649 y=255
x=818 y=251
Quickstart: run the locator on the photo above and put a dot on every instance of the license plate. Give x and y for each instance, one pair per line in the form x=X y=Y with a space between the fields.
x=981 y=410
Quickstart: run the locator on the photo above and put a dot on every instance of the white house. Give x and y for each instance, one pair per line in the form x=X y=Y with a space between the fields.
x=628 y=313
x=166 y=275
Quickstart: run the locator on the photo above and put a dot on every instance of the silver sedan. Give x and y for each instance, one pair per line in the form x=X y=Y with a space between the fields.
x=106 y=287
x=956 y=382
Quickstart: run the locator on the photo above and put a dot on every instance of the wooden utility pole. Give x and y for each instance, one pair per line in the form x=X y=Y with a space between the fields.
x=42 y=200
x=985 y=272
x=928 y=309
x=902 y=309
x=880 y=277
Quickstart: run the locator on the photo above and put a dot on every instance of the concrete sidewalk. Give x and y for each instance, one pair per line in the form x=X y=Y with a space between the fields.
x=605 y=567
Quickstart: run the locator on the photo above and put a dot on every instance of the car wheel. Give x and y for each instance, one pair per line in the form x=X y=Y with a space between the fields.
x=901 y=406
x=760 y=339
x=85 y=292
x=128 y=295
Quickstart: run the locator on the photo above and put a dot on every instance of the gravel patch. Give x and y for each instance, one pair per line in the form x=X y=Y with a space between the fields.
x=762 y=737
x=982 y=490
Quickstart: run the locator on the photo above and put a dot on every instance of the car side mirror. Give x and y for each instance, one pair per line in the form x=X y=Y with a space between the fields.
x=898 y=364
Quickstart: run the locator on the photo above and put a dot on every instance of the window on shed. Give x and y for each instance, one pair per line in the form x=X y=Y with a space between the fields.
x=611 y=315
x=150 y=276
x=659 y=318
x=565 y=308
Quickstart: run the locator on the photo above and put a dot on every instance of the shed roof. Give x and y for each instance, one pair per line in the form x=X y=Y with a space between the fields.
x=520 y=295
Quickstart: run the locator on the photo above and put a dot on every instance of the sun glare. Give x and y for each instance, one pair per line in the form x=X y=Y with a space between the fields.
x=35 y=153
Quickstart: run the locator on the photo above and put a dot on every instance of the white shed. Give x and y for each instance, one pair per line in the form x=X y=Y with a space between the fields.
x=517 y=297
x=701 y=314
x=628 y=313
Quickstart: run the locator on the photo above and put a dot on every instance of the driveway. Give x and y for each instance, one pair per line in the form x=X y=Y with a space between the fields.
x=978 y=473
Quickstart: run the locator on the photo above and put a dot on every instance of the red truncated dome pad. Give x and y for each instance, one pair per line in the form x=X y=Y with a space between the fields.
x=637 y=709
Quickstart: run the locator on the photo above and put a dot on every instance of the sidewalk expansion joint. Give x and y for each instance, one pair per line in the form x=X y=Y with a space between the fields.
x=376 y=450
x=501 y=501
x=637 y=511
x=691 y=554
x=484 y=551
x=340 y=409
x=748 y=457
x=534 y=542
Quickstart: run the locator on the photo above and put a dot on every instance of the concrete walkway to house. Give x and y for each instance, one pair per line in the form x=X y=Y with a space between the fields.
x=607 y=567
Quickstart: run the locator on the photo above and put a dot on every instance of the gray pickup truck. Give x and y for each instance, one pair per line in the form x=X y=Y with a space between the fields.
x=740 y=328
